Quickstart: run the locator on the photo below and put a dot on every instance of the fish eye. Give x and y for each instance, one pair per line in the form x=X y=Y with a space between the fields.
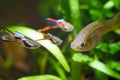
x=59 y=22
x=82 y=44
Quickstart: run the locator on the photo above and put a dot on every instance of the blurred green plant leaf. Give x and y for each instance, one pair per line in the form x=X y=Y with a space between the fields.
x=103 y=68
x=115 y=65
x=79 y=57
x=34 y=35
x=116 y=3
x=108 y=5
x=100 y=76
x=96 y=14
x=117 y=31
x=75 y=14
x=109 y=48
x=95 y=64
x=58 y=68
x=41 y=77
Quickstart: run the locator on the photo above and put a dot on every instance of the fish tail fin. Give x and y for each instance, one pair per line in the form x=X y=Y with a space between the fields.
x=51 y=21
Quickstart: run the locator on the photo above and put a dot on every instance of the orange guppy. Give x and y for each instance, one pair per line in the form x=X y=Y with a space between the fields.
x=54 y=24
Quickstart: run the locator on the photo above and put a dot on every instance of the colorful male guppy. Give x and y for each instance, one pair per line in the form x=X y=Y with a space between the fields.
x=19 y=38
x=54 y=24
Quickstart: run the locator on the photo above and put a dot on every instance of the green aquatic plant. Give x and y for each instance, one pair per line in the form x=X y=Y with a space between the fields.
x=41 y=77
x=34 y=35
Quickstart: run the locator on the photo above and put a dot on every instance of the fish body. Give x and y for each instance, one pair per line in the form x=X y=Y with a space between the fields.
x=60 y=23
x=89 y=36
x=65 y=26
x=7 y=36
x=54 y=39
x=19 y=38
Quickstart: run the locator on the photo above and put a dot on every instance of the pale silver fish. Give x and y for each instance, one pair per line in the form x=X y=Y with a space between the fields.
x=89 y=36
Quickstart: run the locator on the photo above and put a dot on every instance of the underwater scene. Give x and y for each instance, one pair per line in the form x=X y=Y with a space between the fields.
x=59 y=39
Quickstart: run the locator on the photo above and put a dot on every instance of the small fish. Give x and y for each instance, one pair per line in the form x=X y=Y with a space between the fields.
x=51 y=37
x=7 y=36
x=54 y=39
x=19 y=38
x=60 y=23
x=89 y=36
x=24 y=41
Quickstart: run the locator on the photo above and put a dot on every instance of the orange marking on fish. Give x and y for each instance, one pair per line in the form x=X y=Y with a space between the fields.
x=19 y=41
x=47 y=28
x=51 y=19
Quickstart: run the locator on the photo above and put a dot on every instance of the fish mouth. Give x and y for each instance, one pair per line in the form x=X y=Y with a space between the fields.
x=74 y=47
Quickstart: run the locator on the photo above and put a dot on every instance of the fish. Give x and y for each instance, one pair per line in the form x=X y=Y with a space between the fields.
x=7 y=36
x=48 y=36
x=88 y=38
x=60 y=23
x=54 y=39
x=19 y=38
